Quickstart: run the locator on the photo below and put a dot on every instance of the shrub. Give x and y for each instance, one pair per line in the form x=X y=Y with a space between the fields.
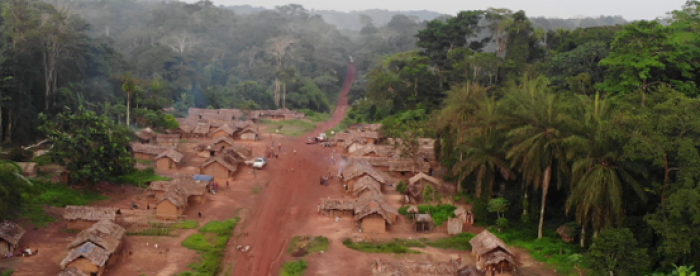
x=209 y=263
x=197 y=242
x=294 y=268
x=139 y=177
x=401 y=187
x=316 y=244
x=440 y=213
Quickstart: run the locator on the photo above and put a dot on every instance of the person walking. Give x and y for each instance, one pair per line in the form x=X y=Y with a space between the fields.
x=295 y=152
x=279 y=146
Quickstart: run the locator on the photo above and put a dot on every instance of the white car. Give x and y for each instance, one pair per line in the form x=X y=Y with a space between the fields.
x=259 y=162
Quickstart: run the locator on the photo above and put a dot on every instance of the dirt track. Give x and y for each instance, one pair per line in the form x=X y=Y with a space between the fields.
x=291 y=196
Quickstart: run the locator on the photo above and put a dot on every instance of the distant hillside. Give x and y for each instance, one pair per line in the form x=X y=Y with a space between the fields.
x=575 y=23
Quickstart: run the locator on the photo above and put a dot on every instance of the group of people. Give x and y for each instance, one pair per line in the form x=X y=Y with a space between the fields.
x=326 y=179
x=271 y=151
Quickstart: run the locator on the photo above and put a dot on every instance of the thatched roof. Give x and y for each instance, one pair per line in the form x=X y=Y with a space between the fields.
x=359 y=168
x=426 y=142
x=469 y=270
x=379 y=150
x=168 y=138
x=95 y=254
x=105 y=234
x=374 y=161
x=11 y=232
x=172 y=154
x=234 y=113
x=177 y=197
x=201 y=128
x=460 y=210
x=226 y=129
x=420 y=268
x=370 y=127
x=423 y=218
x=90 y=213
x=185 y=183
x=342 y=136
x=228 y=162
x=496 y=257
x=413 y=209
x=486 y=242
x=247 y=129
x=71 y=271
x=415 y=191
x=337 y=204
x=29 y=169
x=243 y=124
x=374 y=203
x=366 y=183
x=238 y=151
x=353 y=140
x=147 y=148
x=225 y=139
x=196 y=111
x=145 y=134
x=427 y=153
x=186 y=125
x=407 y=165
x=212 y=117
x=369 y=134
x=414 y=179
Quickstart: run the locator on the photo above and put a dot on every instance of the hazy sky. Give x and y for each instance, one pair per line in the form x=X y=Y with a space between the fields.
x=629 y=9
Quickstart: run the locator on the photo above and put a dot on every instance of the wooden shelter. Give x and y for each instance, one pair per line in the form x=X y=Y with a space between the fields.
x=29 y=169
x=223 y=131
x=366 y=184
x=382 y=267
x=169 y=160
x=246 y=133
x=10 y=235
x=105 y=234
x=423 y=222
x=171 y=205
x=146 y=151
x=146 y=135
x=167 y=140
x=223 y=142
x=336 y=207
x=71 y=271
x=221 y=167
x=83 y=217
x=492 y=255
x=373 y=213
x=357 y=169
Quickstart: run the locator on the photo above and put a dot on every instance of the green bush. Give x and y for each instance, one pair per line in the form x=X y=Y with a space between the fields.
x=397 y=246
x=42 y=160
x=459 y=242
x=294 y=268
x=401 y=187
x=7 y=273
x=197 y=242
x=210 y=262
x=316 y=244
x=440 y=213
x=139 y=177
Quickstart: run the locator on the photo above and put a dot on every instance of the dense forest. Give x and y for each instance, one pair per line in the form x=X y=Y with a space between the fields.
x=589 y=123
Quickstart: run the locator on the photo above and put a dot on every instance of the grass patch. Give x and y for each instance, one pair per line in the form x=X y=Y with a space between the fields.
x=144 y=162
x=315 y=116
x=153 y=232
x=459 y=242
x=185 y=224
x=305 y=245
x=290 y=127
x=210 y=241
x=397 y=246
x=440 y=213
x=139 y=177
x=43 y=193
x=7 y=273
x=256 y=190
x=294 y=268
x=42 y=160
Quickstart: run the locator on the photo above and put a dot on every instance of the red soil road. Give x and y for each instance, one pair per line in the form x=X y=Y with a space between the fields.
x=290 y=197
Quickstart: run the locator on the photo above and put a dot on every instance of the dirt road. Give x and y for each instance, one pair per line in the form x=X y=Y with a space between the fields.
x=290 y=197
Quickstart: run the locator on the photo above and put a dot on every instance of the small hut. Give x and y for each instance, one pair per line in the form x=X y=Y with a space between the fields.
x=221 y=167
x=464 y=215
x=408 y=166
x=146 y=151
x=169 y=160
x=353 y=144
x=373 y=213
x=366 y=184
x=105 y=234
x=247 y=133
x=88 y=258
x=239 y=152
x=372 y=150
x=454 y=226
x=492 y=254
x=29 y=169
x=371 y=137
x=423 y=222
x=146 y=135
x=357 y=169
x=185 y=128
x=194 y=189
x=71 y=271
x=412 y=211
x=223 y=142
x=336 y=207
x=223 y=131
x=83 y=217
x=167 y=140
x=201 y=130
x=10 y=234
x=171 y=205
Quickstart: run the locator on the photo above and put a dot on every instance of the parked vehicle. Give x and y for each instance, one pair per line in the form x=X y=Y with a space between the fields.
x=259 y=162
x=311 y=140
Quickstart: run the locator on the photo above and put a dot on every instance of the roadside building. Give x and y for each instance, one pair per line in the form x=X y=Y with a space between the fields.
x=247 y=133
x=171 y=205
x=336 y=207
x=366 y=184
x=223 y=142
x=220 y=167
x=374 y=214
x=224 y=130
x=88 y=258
x=10 y=235
x=83 y=217
x=357 y=169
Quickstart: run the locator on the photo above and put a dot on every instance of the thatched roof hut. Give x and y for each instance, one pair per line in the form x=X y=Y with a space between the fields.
x=234 y=114
x=201 y=129
x=373 y=203
x=11 y=232
x=407 y=268
x=420 y=178
x=239 y=151
x=224 y=140
x=147 y=149
x=423 y=218
x=105 y=234
x=172 y=154
x=408 y=165
x=359 y=168
x=71 y=271
x=374 y=150
x=29 y=169
x=225 y=128
x=171 y=139
x=187 y=184
x=145 y=134
x=229 y=163
x=95 y=254
x=342 y=136
x=366 y=184
x=89 y=213
x=353 y=140
x=336 y=207
x=177 y=197
x=486 y=242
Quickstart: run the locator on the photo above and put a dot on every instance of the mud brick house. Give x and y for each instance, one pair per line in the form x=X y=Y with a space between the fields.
x=83 y=217
x=146 y=151
x=193 y=189
x=336 y=207
x=366 y=184
x=169 y=160
x=172 y=204
x=167 y=140
x=224 y=130
x=146 y=135
x=223 y=142
x=246 y=133
x=492 y=255
x=95 y=248
x=353 y=144
x=219 y=166
x=373 y=213
x=10 y=235
x=357 y=169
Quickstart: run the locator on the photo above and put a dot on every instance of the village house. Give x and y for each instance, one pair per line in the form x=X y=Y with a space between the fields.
x=185 y=128
x=95 y=248
x=342 y=136
x=224 y=130
x=355 y=170
x=336 y=207
x=246 y=133
x=464 y=215
x=372 y=150
x=223 y=142
x=220 y=167
x=167 y=140
x=146 y=135
x=371 y=137
x=146 y=151
x=381 y=267
x=353 y=144
x=10 y=235
x=71 y=271
x=373 y=213
x=232 y=114
x=406 y=166
x=201 y=130
x=172 y=204
x=169 y=160
x=239 y=152
x=424 y=179
x=366 y=184
x=83 y=217
x=492 y=255
x=194 y=189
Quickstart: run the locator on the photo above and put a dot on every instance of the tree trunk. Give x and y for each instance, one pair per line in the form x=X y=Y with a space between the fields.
x=128 y=102
x=284 y=95
x=479 y=179
x=277 y=92
x=583 y=235
x=546 y=179
x=526 y=204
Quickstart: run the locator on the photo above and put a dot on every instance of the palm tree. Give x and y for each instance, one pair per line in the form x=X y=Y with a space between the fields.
x=128 y=86
x=483 y=156
x=599 y=171
x=538 y=116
